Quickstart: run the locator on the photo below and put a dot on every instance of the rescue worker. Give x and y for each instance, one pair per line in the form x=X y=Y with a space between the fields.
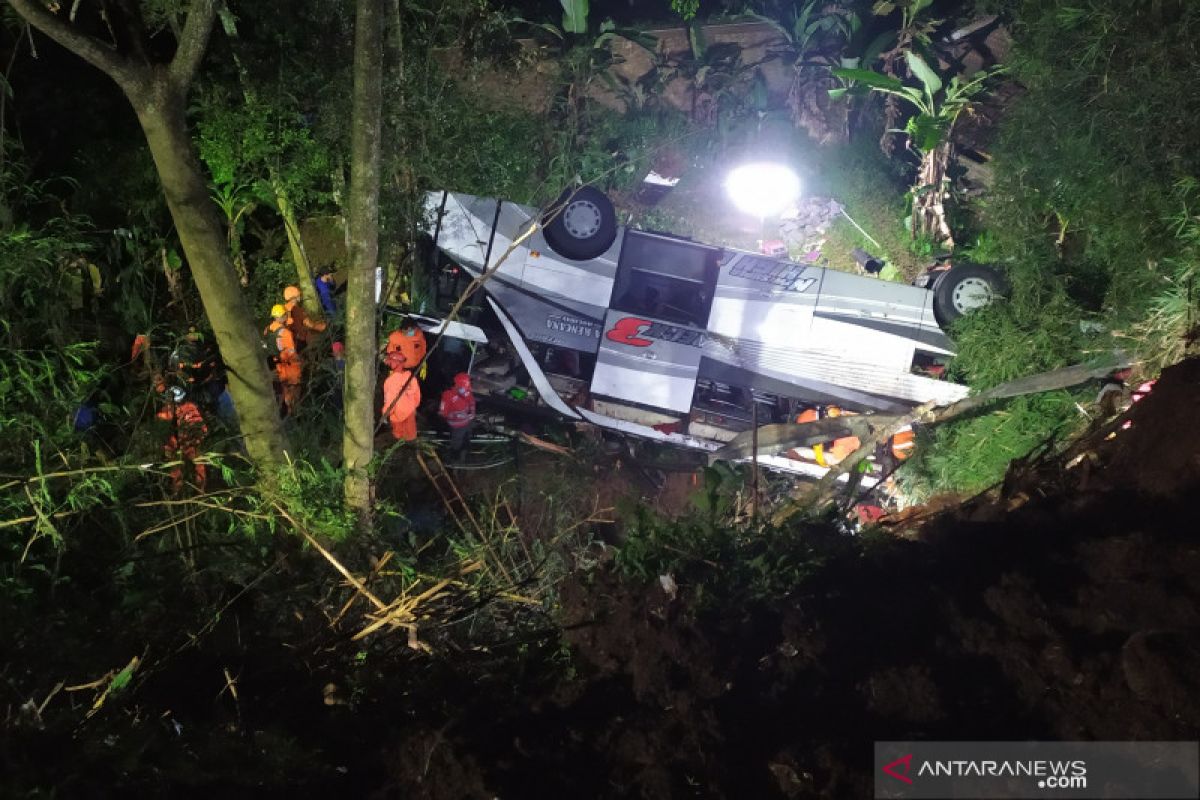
x=185 y=439
x=841 y=447
x=409 y=343
x=458 y=409
x=196 y=364
x=325 y=288
x=830 y=453
x=288 y=366
x=302 y=326
x=401 y=396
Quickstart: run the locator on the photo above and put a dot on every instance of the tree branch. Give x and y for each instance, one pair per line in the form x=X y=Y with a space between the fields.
x=129 y=18
x=193 y=42
x=91 y=50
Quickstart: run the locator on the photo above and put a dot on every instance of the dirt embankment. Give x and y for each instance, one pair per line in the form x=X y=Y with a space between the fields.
x=1066 y=608
x=1073 y=615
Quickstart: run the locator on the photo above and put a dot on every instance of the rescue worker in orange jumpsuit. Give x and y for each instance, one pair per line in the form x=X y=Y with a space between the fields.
x=185 y=439
x=288 y=366
x=458 y=409
x=401 y=396
x=841 y=447
x=302 y=326
x=830 y=453
x=409 y=343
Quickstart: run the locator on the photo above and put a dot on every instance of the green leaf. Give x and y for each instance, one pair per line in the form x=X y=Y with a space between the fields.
x=870 y=78
x=850 y=91
x=554 y=29
x=914 y=94
x=926 y=131
x=645 y=40
x=787 y=34
x=575 y=14
x=877 y=46
x=802 y=27
x=921 y=5
x=228 y=21
x=923 y=72
x=122 y=678
x=882 y=9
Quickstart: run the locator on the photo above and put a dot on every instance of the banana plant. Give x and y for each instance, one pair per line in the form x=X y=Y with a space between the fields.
x=813 y=31
x=937 y=106
x=815 y=36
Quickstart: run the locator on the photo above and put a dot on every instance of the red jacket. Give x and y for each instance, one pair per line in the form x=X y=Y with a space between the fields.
x=187 y=421
x=457 y=409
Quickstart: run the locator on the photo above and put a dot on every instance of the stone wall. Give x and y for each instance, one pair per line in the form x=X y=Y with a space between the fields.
x=531 y=86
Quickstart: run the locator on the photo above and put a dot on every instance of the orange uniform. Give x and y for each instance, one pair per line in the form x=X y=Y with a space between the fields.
x=833 y=452
x=840 y=447
x=409 y=344
x=903 y=443
x=300 y=324
x=400 y=403
x=188 y=431
x=288 y=366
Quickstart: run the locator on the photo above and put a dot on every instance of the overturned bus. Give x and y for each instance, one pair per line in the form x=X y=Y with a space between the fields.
x=680 y=342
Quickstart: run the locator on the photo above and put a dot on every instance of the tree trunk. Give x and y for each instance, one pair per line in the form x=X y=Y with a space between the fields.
x=929 y=206
x=363 y=226
x=161 y=114
x=158 y=94
x=304 y=273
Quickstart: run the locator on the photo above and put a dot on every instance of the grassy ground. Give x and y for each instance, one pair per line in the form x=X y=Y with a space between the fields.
x=857 y=175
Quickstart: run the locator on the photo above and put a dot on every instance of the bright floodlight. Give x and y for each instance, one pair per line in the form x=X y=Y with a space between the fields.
x=763 y=190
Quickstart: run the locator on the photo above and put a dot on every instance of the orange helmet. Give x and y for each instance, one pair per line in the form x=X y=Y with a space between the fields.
x=291 y=293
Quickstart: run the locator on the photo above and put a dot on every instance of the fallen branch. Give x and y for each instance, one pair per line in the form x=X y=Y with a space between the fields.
x=355 y=582
x=873 y=429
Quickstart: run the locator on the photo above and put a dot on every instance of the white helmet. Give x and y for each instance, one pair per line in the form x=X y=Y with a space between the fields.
x=176 y=394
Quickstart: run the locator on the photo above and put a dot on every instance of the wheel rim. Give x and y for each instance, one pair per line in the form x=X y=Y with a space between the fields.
x=582 y=219
x=971 y=294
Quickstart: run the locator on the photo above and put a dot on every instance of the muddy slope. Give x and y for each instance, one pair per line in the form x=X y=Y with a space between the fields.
x=1067 y=609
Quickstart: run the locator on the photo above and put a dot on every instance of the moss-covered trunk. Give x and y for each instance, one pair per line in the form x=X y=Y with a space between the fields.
x=161 y=114
x=304 y=273
x=359 y=435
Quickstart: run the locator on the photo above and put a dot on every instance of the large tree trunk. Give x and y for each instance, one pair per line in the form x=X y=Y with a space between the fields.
x=158 y=94
x=363 y=226
x=161 y=113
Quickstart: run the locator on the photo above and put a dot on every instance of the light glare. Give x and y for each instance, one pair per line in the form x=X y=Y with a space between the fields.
x=762 y=189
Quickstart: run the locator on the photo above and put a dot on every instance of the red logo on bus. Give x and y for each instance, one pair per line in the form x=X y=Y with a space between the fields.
x=628 y=330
